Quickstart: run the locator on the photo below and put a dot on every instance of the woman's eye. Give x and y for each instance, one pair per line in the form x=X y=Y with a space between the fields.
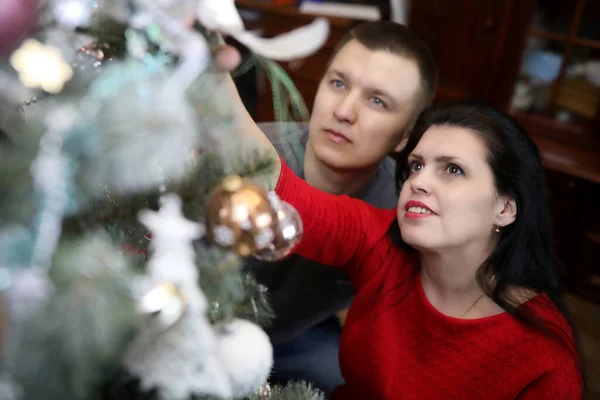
x=454 y=169
x=415 y=166
x=377 y=101
x=337 y=83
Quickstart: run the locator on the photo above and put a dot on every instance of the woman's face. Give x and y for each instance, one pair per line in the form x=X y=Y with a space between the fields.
x=449 y=199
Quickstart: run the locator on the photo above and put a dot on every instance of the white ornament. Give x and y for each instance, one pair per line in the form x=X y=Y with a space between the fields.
x=164 y=304
x=170 y=136
x=220 y=16
x=73 y=13
x=173 y=255
x=246 y=354
x=298 y=43
x=175 y=353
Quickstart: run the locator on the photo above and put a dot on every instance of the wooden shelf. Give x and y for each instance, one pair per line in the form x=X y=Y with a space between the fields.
x=593 y=237
x=578 y=132
x=569 y=158
x=574 y=161
x=542 y=34
x=575 y=128
x=595 y=44
x=562 y=38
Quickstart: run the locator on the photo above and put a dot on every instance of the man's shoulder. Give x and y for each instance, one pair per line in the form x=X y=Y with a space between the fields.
x=382 y=193
x=278 y=132
x=387 y=169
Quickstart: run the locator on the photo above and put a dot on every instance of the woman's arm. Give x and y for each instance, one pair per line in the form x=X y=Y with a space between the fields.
x=338 y=230
x=554 y=385
x=249 y=133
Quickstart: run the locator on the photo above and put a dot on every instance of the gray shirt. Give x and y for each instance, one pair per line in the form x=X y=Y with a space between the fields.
x=304 y=293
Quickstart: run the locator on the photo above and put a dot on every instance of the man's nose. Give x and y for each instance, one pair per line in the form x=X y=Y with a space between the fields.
x=345 y=111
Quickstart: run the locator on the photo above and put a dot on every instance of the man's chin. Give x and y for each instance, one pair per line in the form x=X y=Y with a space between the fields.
x=334 y=158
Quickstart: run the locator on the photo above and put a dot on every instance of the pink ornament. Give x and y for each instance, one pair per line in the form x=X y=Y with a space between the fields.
x=17 y=18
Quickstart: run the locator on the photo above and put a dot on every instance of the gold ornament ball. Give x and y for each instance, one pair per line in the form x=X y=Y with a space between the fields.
x=288 y=235
x=239 y=216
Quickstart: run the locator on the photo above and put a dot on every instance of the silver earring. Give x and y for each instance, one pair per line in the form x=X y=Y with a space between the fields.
x=497 y=229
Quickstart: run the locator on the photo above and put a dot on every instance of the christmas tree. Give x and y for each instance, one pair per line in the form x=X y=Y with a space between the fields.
x=128 y=205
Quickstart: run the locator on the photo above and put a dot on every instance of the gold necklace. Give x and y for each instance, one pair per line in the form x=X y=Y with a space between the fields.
x=475 y=303
x=479 y=298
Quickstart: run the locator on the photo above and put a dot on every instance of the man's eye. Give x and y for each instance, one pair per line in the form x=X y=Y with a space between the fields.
x=377 y=101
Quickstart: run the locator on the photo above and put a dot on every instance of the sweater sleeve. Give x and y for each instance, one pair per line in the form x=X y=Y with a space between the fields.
x=338 y=230
x=554 y=385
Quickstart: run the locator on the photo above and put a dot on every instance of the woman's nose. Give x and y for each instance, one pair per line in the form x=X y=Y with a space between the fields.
x=421 y=182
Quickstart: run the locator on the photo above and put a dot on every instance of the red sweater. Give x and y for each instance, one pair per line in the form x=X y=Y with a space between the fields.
x=395 y=344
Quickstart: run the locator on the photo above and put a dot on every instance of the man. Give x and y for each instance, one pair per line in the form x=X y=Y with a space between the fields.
x=379 y=79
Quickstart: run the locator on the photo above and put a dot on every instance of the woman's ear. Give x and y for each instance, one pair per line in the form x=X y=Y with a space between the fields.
x=507 y=212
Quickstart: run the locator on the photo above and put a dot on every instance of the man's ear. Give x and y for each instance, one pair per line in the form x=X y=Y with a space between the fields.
x=400 y=146
x=508 y=212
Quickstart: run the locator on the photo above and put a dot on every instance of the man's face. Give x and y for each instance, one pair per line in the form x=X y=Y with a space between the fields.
x=363 y=107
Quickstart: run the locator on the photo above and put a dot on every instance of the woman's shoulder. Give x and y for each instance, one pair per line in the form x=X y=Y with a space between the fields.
x=552 y=351
x=553 y=333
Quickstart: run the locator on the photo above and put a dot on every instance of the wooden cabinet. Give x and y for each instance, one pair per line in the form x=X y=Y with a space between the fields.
x=470 y=40
x=576 y=222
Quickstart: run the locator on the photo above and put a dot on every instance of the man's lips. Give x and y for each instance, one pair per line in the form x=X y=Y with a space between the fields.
x=337 y=137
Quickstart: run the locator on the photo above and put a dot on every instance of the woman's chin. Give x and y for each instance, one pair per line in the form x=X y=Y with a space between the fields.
x=415 y=241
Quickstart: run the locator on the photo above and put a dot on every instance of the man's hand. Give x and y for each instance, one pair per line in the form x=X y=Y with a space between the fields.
x=227 y=57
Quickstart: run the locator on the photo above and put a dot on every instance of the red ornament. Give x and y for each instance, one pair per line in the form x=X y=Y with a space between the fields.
x=17 y=18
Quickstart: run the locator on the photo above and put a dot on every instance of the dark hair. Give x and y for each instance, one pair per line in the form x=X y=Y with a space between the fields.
x=524 y=257
x=399 y=40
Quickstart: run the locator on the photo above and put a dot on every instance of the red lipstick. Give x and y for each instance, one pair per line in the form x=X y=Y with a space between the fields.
x=416 y=209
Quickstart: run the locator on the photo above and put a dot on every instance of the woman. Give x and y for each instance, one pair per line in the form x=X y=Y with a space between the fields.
x=467 y=304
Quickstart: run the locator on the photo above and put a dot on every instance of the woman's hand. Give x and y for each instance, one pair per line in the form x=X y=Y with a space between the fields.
x=227 y=58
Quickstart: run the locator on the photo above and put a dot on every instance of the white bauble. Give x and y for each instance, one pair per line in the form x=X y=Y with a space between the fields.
x=246 y=355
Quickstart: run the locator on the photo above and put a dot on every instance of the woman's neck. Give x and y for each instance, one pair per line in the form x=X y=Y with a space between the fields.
x=449 y=280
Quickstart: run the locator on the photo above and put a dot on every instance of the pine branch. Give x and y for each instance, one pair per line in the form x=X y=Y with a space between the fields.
x=18 y=148
x=219 y=280
x=254 y=305
x=123 y=386
x=118 y=212
x=292 y=391
x=79 y=337
x=106 y=29
x=231 y=292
